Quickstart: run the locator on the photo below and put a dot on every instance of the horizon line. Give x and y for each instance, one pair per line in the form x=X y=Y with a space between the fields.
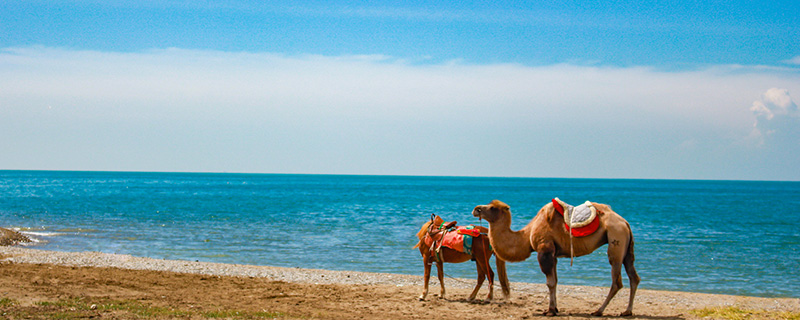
x=383 y=175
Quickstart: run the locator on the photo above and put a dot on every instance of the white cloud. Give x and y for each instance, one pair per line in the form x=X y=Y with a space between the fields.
x=178 y=83
x=775 y=113
x=191 y=110
x=795 y=60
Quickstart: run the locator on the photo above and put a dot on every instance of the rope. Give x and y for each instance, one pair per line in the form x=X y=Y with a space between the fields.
x=571 y=251
x=441 y=242
x=457 y=279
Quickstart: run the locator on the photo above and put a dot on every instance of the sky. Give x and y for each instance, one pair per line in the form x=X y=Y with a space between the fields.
x=584 y=89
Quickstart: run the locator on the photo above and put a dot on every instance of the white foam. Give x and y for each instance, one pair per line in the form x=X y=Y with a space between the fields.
x=42 y=233
x=33 y=241
x=32 y=236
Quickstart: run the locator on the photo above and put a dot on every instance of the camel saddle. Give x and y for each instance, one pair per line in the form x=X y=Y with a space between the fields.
x=442 y=227
x=449 y=235
x=581 y=220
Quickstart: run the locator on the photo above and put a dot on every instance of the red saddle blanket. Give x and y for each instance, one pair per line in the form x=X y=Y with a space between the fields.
x=459 y=240
x=583 y=231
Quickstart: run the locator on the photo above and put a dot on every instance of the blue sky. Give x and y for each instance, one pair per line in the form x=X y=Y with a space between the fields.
x=669 y=33
x=678 y=90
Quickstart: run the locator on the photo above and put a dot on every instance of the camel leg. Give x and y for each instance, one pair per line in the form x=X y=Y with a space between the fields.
x=633 y=278
x=547 y=262
x=479 y=254
x=490 y=296
x=616 y=284
x=426 y=277
x=481 y=277
x=484 y=271
x=617 y=250
x=503 y=277
x=440 y=274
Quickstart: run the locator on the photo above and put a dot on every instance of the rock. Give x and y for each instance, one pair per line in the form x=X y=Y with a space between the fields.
x=11 y=237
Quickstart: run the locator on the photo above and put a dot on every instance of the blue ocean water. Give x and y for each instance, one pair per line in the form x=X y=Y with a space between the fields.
x=732 y=237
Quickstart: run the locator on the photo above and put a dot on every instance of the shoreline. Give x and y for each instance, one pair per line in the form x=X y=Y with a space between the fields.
x=527 y=297
x=289 y=274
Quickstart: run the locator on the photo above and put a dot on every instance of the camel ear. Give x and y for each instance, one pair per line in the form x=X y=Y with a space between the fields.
x=498 y=206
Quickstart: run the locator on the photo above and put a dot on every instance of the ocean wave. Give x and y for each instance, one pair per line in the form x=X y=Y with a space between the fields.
x=33 y=242
x=76 y=230
x=36 y=234
x=42 y=233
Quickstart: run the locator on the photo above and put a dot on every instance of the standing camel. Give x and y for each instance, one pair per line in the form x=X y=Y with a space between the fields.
x=548 y=236
x=432 y=233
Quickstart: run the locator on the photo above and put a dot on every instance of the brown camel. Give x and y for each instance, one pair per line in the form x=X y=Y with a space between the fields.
x=547 y=235
x=481 y=252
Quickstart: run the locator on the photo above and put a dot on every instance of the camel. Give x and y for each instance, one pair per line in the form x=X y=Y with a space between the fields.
x=547 y=235
x=481 y=252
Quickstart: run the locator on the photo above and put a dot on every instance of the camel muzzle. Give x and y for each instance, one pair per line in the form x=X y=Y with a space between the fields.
x=477 y=211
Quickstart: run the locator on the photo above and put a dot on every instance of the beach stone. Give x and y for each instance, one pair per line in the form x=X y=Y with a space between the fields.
x=10 y=237
x=523 y=293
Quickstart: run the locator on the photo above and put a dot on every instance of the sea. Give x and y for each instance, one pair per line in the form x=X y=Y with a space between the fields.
x=728 y=237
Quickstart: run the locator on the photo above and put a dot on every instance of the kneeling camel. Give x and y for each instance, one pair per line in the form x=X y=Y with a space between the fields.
x=547 y=235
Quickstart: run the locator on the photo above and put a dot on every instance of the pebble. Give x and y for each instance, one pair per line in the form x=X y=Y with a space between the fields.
x=299 y=275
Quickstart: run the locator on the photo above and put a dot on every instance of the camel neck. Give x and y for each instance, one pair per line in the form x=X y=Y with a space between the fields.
x=509 y=245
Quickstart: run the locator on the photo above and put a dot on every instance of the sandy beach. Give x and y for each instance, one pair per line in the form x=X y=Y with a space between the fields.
x=40 y=284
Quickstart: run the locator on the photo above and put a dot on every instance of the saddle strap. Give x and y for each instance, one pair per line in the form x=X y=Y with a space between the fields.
x=437 y=252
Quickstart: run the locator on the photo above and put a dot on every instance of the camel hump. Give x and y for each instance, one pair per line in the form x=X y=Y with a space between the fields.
x=560 y=206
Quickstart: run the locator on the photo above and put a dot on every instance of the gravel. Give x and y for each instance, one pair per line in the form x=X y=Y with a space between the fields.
x=299 y=275
x=680 y=300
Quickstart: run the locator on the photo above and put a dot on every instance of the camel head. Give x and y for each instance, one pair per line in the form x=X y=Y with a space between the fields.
x=492 y=211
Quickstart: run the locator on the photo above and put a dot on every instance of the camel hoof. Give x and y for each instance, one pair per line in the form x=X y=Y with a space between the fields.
x=626 y=314
x=597 y=314
x=551 y=313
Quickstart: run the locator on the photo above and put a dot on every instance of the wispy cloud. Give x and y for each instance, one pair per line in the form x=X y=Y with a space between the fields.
x=539 y=17
x=795 y=60
x=371 y=114
x=559 y=16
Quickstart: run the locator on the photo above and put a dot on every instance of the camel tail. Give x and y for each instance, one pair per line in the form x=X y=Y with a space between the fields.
x=629 y=257
x=422 y=232
x=502 y=276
